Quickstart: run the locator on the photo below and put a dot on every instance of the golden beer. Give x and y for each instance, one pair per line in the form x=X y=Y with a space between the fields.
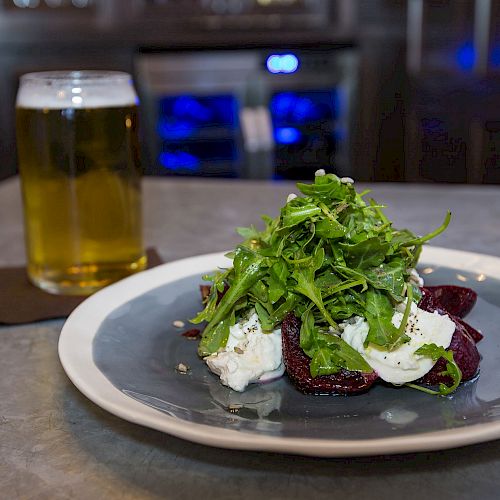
x=80 y=171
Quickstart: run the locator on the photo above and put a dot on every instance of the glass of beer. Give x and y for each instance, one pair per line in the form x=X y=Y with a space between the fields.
x=80 y=175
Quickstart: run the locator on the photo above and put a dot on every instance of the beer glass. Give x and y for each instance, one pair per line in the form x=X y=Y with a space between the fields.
x=80 y=176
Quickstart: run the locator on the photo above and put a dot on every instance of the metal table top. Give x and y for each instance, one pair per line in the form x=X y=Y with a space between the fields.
x=54 y=443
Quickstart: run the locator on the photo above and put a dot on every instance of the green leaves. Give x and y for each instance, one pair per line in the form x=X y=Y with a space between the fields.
x=435 y=353
x=329 y=229
x=327 y=257
x=333 y=354
x=308 y=334
x=323 y=363
x=304 y=275
x=277 y=280
x=388 y=276
x=248 y=232
x=433 y=234
x=296 y=212
x=265 y=319
x=367 y=253
x=378 y=312
x=216 y=337
x=248 y=270
x=326 y=187
x=329 y=352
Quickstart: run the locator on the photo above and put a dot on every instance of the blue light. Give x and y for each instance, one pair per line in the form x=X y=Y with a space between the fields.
x=466 y=56
x=190 y=107
x=274 y=64
x=172 y=129
x=287 y=135
x=284 y=63
x=495 y=56
x=289 y=63
x=197 y=112
x=295 y=108
x=179 y=161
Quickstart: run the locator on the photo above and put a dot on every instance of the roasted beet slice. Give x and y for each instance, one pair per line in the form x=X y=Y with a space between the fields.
x=430 y=302
x=465 y=354
x=475 y=334
x=456 y=300
x=297 y=367
x=463 y=345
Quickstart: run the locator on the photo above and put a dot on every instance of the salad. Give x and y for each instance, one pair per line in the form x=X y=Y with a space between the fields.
x=328 y=292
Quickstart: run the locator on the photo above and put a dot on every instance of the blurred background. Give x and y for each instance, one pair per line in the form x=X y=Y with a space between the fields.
x=379 y=90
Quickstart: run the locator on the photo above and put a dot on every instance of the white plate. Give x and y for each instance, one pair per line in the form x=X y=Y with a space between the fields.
x=135 y=378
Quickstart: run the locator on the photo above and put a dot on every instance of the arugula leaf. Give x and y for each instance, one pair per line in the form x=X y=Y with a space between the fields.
x=308 y=335
x=247 y=276
x=277 y=280
x=325 y=187
x=345 y=285
x=452 y=369
x=367 y=253
x=388 y=276
x=323 y=363
x=332 y=354
x=219 y=281
x=330 y=228
x=379 y=312
x=343 y=307
x=433 y=234
x=329 y=352
x=406 y=315
x=216 y=337
x=266 y=322
x=259 y=292
x=346 y=356
x=295 y=213
x=306 y=286
x=285 y=307
x=248 y=232
x=327 y=280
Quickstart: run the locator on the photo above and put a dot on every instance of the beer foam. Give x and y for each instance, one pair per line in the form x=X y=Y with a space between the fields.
x=45 y=94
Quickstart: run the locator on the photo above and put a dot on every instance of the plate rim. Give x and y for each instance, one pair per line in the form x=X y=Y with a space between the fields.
x=80 y=328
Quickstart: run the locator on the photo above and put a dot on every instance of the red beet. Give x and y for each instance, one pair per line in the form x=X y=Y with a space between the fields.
x=297 y=367
x=194 y=333
x=465 y=354
x=456 y=300
x=475 y=334
x=463 y=342
x=428 y=302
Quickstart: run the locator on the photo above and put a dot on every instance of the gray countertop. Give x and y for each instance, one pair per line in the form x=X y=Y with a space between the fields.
x=54 y=443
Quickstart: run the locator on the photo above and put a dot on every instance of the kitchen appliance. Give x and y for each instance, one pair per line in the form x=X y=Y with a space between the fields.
x=252 y=113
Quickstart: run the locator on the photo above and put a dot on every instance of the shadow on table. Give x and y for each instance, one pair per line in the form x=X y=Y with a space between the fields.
x=159 y=463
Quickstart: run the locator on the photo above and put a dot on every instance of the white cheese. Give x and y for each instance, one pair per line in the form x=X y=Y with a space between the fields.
x=249 y=356
x=402 y=365
x=347 y=180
